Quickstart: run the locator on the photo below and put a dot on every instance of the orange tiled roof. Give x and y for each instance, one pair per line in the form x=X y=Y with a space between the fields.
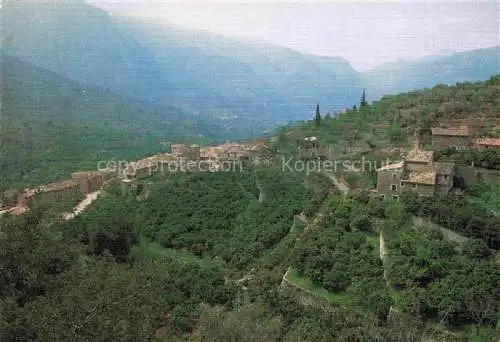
x=420 y=156
x=488 y=141
x=460 y=131
x=428 y=178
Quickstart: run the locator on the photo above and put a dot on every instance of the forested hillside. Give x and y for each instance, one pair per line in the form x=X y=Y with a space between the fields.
x=394 y=119
x=201 y=258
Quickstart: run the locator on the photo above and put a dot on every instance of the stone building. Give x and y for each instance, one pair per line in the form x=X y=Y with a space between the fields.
x=178 y=149
x=487 y=143
x=67 y=190
x=418 y=172
x=89 y=181
x=224 y=152
x=208 y=154
x=191 y=152
x=458 y=137
x=389 y=180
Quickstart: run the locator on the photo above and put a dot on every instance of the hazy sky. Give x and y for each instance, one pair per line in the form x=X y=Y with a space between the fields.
x=365 y=33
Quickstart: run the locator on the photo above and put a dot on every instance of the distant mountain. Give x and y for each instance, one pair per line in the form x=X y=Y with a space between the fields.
x=274 y=82
x=200 y=73
x=475 y=65
x=80 y=42
x=245 y=85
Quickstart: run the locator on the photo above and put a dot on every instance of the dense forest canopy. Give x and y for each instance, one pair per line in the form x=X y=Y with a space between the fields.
x=201 y=256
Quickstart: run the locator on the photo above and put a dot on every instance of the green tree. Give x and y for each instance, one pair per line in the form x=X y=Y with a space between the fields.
x=318 y=116
x=363 y=102
x=362 y=223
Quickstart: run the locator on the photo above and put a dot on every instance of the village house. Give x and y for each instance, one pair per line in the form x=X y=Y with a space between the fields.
x=208 y=154
x=417 y=172
x=458 y=137
x=224 y=152
x=191 y=152
x=55 y=192
x=178 y=149
x=389 y=180
x=487 y=143
x=89 y=181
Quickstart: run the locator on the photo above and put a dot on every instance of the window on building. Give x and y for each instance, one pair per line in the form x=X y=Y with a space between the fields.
x=414 y=186
x=445 y=177
x=394 y=187
x=382 y=196
x=402 y=184
x=395 y=198
x=394 y=175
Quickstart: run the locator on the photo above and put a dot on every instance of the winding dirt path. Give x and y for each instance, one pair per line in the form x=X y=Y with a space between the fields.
x=341 y=186
x=82 y=205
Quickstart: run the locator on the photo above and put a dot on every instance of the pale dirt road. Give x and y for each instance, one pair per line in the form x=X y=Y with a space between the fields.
x=341 y=186
x=83 y=205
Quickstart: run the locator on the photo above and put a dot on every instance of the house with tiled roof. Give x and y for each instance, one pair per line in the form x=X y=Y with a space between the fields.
x=485 y=143
x=459 y=137
x=90 y=181
x=417 y=172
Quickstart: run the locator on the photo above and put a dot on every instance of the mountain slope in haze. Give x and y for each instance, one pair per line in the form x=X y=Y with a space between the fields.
x=245 y=85
x=210 y=74
x=80 y=42
x=51 y=126
x=282 y=81
x=475 y=65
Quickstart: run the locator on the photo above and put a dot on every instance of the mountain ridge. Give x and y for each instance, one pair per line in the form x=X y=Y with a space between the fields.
x=212 y=75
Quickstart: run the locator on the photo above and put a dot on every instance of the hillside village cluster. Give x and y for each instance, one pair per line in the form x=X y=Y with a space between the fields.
x=83 y=183
x=192 y=158
x=420 y=173
x=416 y=172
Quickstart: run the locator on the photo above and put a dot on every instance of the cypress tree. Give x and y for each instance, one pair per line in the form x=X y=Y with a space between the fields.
x=318 y=116
x=363 y=102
